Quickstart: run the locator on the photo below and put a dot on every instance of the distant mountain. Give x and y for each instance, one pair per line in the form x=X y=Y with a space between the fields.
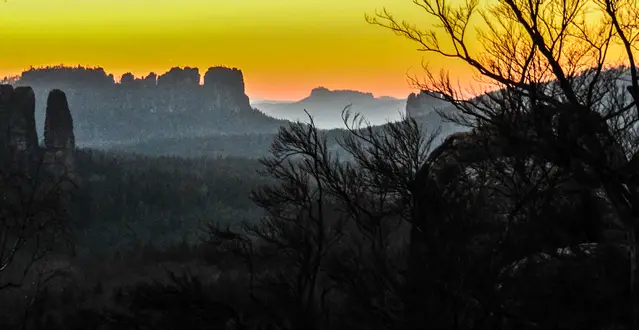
x=422 y=107
x=422 y=104
x=326 y=107
x=254 y=145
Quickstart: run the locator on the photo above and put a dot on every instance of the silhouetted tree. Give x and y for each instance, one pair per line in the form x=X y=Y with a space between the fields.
x=9 y=80
x=33 y=221
x=336 y=229
x=554 y=98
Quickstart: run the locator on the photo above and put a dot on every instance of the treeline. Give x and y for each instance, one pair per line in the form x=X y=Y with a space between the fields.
x=253 y=146
x=225 y=145
x=256 y=145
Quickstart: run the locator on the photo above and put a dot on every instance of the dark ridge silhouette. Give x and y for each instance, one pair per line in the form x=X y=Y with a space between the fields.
x=127 y=79
x=423 y=104
x=173 y=104
x=179 y=77
x=62 y=74
x=221 y=76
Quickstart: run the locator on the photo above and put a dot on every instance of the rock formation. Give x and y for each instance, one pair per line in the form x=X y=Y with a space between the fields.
x=19 y=148
x=422 y=104
x=173 y=104
x=180 y=77
x=151 y=80
x=127 y=79
x=6 y=98
x=23 y=138
x=225 y=89
x=59 y=141
x=19 y=140
x=223 y=77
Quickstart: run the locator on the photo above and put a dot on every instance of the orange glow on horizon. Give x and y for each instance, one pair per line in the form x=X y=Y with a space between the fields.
x=285 y=48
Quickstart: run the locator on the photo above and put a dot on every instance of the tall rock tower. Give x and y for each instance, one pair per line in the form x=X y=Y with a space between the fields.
x=59 y=141
x=18 y=138
x=225 y=89
x=23 y=138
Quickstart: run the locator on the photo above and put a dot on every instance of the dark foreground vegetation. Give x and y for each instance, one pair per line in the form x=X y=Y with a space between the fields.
x=526 y=221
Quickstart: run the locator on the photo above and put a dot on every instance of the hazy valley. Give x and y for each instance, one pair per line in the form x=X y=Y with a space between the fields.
x=326 y=106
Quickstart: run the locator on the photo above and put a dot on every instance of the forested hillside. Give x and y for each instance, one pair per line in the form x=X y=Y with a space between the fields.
x=257 y=145
x=126 y=199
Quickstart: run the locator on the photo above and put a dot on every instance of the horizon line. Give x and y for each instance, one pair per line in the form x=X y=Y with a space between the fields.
x=118 y=78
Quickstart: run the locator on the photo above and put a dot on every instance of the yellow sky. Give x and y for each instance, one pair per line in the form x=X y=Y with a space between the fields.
x=284 y=47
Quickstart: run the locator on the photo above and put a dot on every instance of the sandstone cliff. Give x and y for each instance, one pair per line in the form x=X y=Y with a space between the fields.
x=225 y=89
x=59 y=141
x=173 y=104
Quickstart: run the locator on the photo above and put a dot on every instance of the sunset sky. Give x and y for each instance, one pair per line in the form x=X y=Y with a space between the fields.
x=284 y=47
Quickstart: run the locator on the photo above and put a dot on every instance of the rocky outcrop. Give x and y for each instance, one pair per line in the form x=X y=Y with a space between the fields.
x=224 y=88
x=23 y=139
x=177 y=77
x=427 y=110
x=171 y=105
x=19 y=140
x=422 y=104
x=58 y=126
x=223 y=77
x=59 y=140
x=127 y=79
x=150 y=80
x=178 y=87
x=19 y=149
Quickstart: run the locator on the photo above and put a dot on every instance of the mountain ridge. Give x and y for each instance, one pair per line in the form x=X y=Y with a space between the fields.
x=326 y=105
x=167 y=105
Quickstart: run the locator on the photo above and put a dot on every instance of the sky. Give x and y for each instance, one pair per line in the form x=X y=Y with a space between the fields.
x=285 y=48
